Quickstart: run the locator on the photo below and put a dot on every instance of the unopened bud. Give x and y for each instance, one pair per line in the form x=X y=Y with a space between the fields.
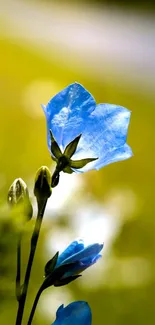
x=42 y=187
x=18 y=195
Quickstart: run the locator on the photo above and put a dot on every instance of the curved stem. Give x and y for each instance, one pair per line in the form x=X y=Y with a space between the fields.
x=34 y=306
x=34 y=240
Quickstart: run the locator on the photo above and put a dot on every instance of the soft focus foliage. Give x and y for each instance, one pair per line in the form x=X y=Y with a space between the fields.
x=122 y=289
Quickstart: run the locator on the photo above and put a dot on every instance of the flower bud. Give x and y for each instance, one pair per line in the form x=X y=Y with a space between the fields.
x=42 y=187
x=18 y=195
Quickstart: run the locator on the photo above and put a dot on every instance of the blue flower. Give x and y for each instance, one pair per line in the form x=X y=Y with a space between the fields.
x=92 y=135
x=66 y=267
x=76 y=313
x=84 y=256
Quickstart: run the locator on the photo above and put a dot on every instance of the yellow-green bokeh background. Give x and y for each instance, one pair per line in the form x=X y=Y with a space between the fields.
x=28 y=78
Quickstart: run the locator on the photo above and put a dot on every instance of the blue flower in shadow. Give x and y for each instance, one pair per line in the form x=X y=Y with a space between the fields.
x=66 y=267
x=76 y=313
x=82 y=256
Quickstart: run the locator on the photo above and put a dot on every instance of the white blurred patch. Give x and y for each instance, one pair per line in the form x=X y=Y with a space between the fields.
x=65 y=192
x=53 y=299
x=92 y=222
x=36 y=93
x=122 y=203
x=59 y=240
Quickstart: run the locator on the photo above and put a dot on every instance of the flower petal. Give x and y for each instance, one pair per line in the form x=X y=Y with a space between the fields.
x=72 y=249
x=104 y=135
x=90 y=260
x=105 y=130
x=81 y=266
x=74 y=269
x=118 y=154
x=76 y=313
x=67 y=112
x=90 y=251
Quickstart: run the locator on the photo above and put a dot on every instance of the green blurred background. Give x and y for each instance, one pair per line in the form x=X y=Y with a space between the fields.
x=45 y=45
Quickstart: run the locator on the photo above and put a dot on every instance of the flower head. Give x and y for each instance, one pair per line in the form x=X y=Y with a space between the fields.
x=83 y=135
x=67 y=266
x=76 y=313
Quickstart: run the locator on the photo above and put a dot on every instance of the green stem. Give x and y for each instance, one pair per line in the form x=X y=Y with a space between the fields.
x=18 y=275
x=34 y=240
x=34 y=306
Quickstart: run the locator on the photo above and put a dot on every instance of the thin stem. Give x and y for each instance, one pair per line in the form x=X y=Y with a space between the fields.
x=34 y=306
x=18 y=275
x=34 y=240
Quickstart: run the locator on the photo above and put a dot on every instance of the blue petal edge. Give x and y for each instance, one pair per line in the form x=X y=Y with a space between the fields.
x=72 y=249
x=69 y=108
x=76 y=313
x=91 y=250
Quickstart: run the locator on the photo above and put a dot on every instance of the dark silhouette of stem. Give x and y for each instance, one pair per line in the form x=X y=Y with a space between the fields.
x=18 y=275
x=34 y=305
x=34 y=240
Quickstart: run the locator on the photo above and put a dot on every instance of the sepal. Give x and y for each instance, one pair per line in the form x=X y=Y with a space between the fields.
x=58 y=275
x=55 y=150
x=81 y=163
x=68 y=170
x=71 y=147
x=67 y=280
x=50 y=265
